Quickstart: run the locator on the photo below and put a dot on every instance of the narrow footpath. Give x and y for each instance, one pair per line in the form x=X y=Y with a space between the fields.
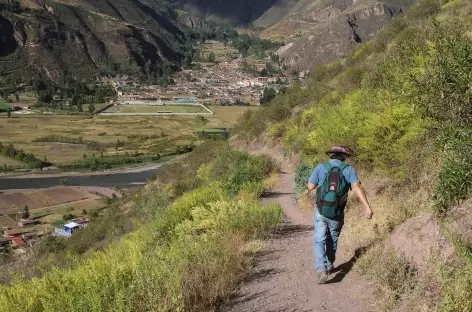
x=284 y=278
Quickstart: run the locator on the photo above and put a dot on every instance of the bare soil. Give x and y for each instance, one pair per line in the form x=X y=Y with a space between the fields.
x=284 y=277
x=15 y=200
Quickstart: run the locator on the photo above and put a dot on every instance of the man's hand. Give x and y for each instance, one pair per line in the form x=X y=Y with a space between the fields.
x=361 y=193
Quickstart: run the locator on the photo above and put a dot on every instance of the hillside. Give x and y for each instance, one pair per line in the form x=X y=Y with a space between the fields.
x=317 y=31
x=320 y=31
x=236 y=12
x=85 y=37
x=402 y=102
x=187 y=240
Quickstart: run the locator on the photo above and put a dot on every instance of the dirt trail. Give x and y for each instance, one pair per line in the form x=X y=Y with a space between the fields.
x=284 y=278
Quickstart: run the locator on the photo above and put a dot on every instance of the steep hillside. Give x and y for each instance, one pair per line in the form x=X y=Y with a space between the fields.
x=86 y=37
x=237 y=12
x=402 y=102
x=320 y=31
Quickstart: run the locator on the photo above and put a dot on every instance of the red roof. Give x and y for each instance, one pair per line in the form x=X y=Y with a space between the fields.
x=19 y=241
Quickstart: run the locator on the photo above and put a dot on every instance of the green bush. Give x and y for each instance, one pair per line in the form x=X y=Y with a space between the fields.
x=454 y=181
x=191 y=256
x=302 y=175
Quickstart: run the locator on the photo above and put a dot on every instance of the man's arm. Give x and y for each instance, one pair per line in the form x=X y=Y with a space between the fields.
x=361 y=193
x=311 y=187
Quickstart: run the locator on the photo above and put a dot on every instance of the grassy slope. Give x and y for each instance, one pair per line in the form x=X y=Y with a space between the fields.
x=402 y=102
x=183 y=257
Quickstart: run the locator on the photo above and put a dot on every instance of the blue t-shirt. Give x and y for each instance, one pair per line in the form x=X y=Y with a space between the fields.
x=319 y=174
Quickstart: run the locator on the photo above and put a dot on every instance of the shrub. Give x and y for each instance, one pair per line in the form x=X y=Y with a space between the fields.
x=199 y=260
x=302 y=175
x=454 y=181
x=393 y=274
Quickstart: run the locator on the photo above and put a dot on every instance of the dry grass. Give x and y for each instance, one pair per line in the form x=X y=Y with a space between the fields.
x=9 y=162
x=50 y=214
x=230 y=114
x=22 y=131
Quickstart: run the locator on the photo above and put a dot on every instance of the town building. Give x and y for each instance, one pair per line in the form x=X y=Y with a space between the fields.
x=17 y=242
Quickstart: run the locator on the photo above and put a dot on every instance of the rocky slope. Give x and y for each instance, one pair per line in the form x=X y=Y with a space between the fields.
x=86 y=37
x=237 y=12
x=317 y=31
x=321 y=31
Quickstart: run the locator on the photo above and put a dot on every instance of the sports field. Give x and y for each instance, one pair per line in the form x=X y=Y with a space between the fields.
x=157 y=109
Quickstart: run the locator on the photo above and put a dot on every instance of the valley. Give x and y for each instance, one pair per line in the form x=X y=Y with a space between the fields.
x=162 y=155
x=106 y=137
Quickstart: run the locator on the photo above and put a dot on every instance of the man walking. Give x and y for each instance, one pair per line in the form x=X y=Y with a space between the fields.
x=332 y=181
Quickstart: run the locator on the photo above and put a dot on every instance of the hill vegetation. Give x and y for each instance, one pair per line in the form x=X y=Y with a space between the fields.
x=187 y=251
x=402 y=101
x=87 y=38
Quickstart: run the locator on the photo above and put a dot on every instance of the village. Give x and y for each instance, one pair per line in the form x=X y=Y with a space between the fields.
x=206 y=89
x=229 y=80
x=58 y=211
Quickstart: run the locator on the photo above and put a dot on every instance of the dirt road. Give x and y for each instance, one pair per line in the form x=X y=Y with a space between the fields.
x=284 y=278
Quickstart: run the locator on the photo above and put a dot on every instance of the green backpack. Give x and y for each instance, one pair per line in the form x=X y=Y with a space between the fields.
x=331 y=197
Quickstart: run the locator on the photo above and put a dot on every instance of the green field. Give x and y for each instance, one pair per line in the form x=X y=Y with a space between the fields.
x=143 y=134
x=222 y=52
x=153 y=109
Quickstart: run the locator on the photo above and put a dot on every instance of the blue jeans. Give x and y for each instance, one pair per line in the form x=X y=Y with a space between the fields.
x=326 y=241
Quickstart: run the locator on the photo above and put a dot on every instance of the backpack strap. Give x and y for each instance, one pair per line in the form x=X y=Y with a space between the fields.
x=343 y=166
x=327 y=166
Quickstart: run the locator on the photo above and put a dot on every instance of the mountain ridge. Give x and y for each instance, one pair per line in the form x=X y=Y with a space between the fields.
x=87 y=38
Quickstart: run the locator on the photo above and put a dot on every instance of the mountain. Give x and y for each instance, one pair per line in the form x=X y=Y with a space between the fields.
x=320 y=31
x=86 y=37
x=237 y=12
x=317 y=31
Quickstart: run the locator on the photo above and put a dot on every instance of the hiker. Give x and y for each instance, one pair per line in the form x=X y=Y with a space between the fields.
x=332 y=181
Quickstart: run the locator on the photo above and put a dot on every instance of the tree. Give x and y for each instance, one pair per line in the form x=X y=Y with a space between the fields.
x=91 y=108
x=267 y=95
x=187 y=62
x=212 y=57
x=26 y=213
x=9 y=114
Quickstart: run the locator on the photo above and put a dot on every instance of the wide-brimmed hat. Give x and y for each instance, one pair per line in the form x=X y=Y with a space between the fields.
x=339 y=149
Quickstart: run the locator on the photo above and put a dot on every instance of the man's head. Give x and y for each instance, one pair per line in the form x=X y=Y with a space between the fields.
x=339 y=152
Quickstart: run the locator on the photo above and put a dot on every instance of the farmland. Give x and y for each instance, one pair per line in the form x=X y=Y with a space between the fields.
x=5 y=161
x=67 y=139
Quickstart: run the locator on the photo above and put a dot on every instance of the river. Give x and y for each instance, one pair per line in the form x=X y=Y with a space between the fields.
x=121 y=179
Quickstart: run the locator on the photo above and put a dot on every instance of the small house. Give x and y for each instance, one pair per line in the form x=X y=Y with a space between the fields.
x=14 y=233
x=17 y=242
x=71 y=227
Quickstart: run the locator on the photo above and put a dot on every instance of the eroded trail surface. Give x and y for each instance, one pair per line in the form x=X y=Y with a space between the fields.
x=284 y=278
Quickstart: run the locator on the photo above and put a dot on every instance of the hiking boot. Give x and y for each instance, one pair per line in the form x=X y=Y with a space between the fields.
x=322 y=277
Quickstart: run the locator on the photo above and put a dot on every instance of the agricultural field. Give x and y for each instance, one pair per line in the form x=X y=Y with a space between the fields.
x=222 y=52
x=14 y=201
x=230 y=115
x=155 y=109
x=66 y=139
x=47 y=206
x=9 y=162
x=53 y=213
